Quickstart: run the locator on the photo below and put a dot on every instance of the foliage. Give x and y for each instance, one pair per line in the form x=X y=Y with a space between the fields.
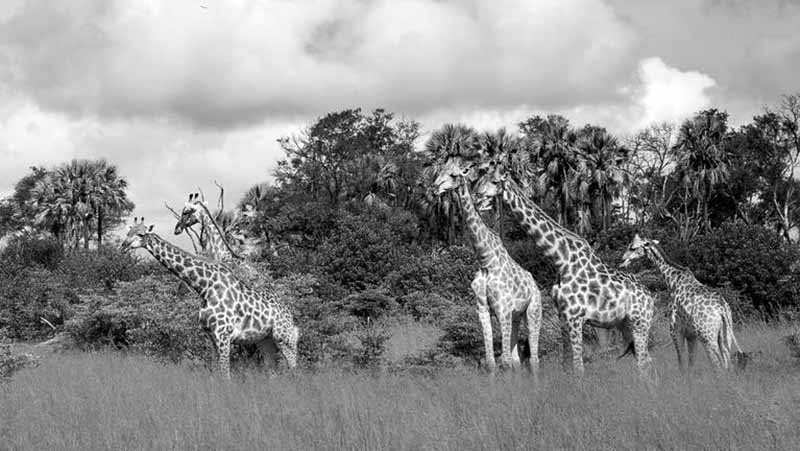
x=32 y=250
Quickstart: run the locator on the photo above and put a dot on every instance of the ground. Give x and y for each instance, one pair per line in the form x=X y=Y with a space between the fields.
x=107 y=400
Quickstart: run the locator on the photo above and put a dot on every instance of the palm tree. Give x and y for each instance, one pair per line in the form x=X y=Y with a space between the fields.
x=77 y=195
x=702 y=161
x=552 y=143
x=450 y=141
x=106 y=194
x=505 y=148
x=601 y=173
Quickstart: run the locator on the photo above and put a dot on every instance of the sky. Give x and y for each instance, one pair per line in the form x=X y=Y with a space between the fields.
x=183 y=93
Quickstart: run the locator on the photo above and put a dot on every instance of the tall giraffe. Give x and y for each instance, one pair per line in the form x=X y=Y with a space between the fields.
x=587 y=290
x=231 y=311
x=500 y=285
x=215 y=246
x=696 y=311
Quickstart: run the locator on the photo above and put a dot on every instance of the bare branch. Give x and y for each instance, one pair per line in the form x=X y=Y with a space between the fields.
x=221 y=200
x=174 y=213
x=48 y=323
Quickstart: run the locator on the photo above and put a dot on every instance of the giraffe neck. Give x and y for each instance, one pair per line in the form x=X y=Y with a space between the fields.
x=215 y=242
x=562 y=245
x=484 y=240
x=187 y=267
x=672 y=273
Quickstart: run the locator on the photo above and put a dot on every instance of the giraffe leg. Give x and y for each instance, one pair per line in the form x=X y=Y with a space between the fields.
x=516 y=319
x=713 y=353
x=575 y=325
x=480 y=290
x=566 y=352
x=286 y=340
x=534 y=320
x=691 y=349
x=224 y=348
x=641 y=329
x=677 y=340
x=506 y=320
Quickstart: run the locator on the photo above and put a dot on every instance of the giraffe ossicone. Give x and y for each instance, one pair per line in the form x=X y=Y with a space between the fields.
x=587 y=291
x=696 y=311
x=501 y=285
x=232 y=311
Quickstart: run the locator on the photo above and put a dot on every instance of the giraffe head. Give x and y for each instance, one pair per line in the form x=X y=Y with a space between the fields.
x=136 y=234
x=191 y=213
x=452 y=174
x=490 y=184
x=638 y=248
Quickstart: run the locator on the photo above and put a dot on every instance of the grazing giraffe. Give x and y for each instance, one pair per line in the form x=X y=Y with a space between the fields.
x=213 y=241
x=501 y=285
x=231 y=311
x=587 y=291
x=696 y=311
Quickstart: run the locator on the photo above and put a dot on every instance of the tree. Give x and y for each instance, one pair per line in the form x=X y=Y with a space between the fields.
x=77 y=197
x=450 y=141
x=16 y=211
x=600 y=174
x=781 y=127
x=649 y=164
x=701 y=162
x=340 y=157
x=552 y=142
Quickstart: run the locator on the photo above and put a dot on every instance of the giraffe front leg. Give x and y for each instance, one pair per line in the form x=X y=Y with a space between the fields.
x=641 y=330
x=481 y=293
x=575 y=328
x=287 y=342
x=224 y=351
x=505 y=319
x=534 y=320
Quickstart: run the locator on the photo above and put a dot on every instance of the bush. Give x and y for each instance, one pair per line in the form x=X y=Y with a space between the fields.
x=102 y=268
x=29 y=250
x=29 y=295
x=363 y=249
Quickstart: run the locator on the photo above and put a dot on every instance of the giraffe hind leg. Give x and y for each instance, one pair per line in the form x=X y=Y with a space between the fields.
x=534 y=320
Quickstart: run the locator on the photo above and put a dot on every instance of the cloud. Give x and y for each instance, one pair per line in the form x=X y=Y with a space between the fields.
x=241 y=62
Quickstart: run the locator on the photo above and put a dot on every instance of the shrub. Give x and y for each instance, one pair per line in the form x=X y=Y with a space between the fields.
x=102 y=268
x=29 y=295
x=31 y=250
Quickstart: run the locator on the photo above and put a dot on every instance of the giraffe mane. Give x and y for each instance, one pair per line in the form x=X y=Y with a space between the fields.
x=666 y=257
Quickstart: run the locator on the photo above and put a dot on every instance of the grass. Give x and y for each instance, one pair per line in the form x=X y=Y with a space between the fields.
x=109 y=401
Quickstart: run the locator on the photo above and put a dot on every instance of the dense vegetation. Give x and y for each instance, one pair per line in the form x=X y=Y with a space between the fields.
x=360 y=245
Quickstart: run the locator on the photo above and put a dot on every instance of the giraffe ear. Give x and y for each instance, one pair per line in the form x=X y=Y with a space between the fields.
x=150 y=229
x=656 y=241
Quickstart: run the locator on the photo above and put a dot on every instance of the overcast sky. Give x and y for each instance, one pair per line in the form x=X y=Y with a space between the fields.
x=181 y=93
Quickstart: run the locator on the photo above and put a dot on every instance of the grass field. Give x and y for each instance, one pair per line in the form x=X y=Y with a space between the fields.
x=107 y=401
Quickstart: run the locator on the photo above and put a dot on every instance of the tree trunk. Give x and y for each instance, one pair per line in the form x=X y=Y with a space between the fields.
x=99 y=228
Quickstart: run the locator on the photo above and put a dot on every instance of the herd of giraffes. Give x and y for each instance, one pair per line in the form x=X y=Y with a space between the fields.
x=587 y=290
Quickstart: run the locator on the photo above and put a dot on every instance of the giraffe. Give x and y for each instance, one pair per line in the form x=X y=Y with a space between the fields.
x=696 y=311
x=587 y=291
x=231 y=311
x=501 y=285
x=216 y=247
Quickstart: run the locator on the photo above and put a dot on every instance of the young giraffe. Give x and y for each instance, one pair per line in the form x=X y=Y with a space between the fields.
x=231 y=311
x=500 y=285
x=695 y=311
x=587 y=290
x=215 y=246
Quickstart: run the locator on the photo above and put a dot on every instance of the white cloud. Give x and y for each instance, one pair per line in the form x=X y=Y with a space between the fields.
x=240 y=62
x=667 y=94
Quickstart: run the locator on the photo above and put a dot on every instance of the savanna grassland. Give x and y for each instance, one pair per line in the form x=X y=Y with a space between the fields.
x=110 y=401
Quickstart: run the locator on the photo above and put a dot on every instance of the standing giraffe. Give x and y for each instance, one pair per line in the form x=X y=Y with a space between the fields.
x=500 y=285
x=231 y=311
x=696 y=311
x=587 y=290
x=216 y=247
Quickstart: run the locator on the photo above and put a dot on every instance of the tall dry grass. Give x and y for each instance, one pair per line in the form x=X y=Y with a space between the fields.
x=108 y=401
